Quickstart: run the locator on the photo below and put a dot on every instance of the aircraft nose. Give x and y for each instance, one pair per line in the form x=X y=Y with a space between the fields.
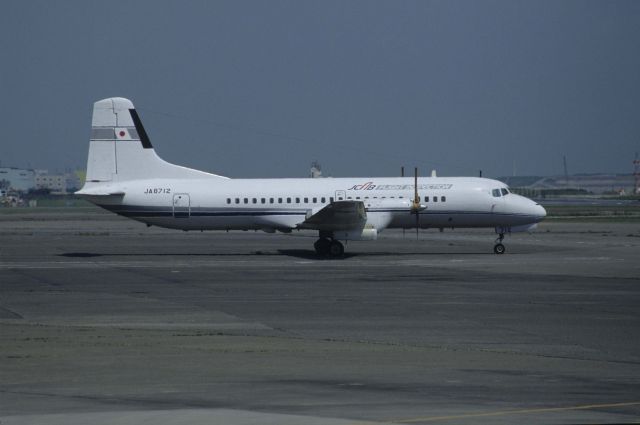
x=539 y=212
x=530 y=209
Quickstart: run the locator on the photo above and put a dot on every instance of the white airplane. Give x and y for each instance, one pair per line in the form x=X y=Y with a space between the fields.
x=125 y=176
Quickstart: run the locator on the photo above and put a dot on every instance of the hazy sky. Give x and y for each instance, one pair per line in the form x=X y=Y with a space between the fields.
x=262 y=88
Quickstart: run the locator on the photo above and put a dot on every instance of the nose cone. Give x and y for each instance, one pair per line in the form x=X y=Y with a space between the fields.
x=526 y=210
x=539 y=212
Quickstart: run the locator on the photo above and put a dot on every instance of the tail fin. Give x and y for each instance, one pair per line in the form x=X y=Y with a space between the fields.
x=120 y=148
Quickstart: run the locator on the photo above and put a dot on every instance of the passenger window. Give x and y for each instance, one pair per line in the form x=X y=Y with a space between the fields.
x=322 y=199
x=279 y=200
x=297 y=200
x=443 y=198
x=504 y=191
x=237 y=200
x=331 y=199
x=228 y=200
x=288 y=200
x=435 y=199
x=262 y=200
x=315 y=200
x=357 y=197
x=426 y=199
x=254 y=200
x=306 y=200
x=271 y=200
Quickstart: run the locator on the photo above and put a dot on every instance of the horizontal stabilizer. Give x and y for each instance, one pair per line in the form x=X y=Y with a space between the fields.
x=99 y=191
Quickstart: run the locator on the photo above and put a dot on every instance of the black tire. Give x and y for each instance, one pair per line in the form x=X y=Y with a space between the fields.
x=499 y=248
x=336 y=249
x=322 y=246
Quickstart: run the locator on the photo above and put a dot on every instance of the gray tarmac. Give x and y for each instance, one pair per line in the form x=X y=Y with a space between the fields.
x=103 y=320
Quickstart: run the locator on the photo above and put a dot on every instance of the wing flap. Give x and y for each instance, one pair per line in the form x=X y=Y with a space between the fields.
x=338 y=215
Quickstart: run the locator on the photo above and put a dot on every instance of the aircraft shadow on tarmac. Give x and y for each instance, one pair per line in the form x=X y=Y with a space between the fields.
x=310 y=254
x=298 y=253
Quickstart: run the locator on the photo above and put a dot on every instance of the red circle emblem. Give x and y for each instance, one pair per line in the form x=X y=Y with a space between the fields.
x=122 y=133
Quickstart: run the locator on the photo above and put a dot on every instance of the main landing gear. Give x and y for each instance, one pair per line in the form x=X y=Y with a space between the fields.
x=498 y=248
x=328 y=247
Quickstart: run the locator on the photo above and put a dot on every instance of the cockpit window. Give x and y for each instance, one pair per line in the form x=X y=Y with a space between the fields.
x=504 y=191
x=496 y=193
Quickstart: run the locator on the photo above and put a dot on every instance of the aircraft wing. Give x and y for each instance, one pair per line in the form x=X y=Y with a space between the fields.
x=338 y=215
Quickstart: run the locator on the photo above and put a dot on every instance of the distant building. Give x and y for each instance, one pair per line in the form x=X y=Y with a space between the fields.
x=19 y=179
x=56 y=183
x=24 y=180
x=597 y=184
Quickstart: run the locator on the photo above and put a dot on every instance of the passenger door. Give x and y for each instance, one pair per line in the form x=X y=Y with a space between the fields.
x=181 y=205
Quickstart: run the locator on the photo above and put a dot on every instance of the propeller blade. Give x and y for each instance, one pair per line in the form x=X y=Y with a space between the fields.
x=416 y=201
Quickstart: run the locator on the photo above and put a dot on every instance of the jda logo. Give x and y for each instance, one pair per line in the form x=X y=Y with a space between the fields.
x=363 y=186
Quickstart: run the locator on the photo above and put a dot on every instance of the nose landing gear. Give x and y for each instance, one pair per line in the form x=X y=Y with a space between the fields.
x=499 y=248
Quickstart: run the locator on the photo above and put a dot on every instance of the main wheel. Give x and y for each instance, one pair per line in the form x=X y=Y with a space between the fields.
x=336 y=249
x=499 y=248
x=322 y=246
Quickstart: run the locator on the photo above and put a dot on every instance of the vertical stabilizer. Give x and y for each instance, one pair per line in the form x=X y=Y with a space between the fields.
x=120 y=148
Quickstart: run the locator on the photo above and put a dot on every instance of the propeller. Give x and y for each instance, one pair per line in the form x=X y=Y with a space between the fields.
x=402 y=175
x=416 y=207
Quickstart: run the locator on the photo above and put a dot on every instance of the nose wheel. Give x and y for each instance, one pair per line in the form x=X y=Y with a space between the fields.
x=499 y=248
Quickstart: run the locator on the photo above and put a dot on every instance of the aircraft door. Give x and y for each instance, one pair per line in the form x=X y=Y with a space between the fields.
x=341 y=195
x=181 y=205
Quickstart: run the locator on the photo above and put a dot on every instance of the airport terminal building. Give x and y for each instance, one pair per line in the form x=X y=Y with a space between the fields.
x=24 y=180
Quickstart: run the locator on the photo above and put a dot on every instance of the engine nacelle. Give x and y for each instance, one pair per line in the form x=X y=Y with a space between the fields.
x=366 y=234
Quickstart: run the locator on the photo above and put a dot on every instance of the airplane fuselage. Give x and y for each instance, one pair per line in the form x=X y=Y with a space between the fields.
x=283 y=204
